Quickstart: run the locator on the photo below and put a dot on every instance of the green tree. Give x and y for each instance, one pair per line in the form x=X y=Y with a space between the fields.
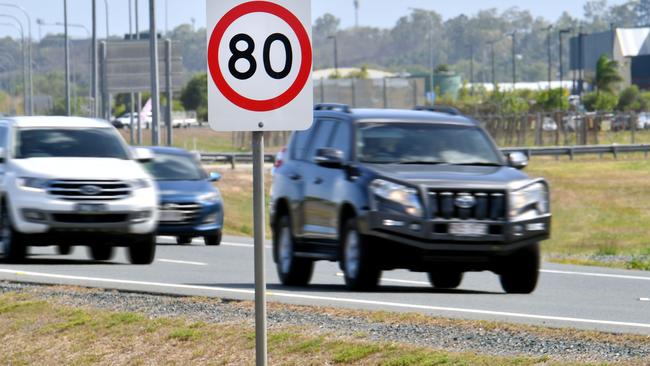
x=195 y=96
x=630 y=99
x=600 y=102
x=607 y=75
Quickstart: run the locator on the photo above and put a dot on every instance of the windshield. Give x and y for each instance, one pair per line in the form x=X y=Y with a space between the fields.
x=69 y=143
x=174 y=167
x=420 y=143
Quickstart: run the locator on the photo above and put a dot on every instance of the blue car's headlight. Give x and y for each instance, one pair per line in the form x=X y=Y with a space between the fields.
x=210 y=197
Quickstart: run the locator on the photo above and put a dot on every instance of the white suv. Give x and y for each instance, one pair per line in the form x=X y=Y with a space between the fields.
x=68 y=181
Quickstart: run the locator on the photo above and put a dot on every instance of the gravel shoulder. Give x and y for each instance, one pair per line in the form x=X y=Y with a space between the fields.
x=487 y=338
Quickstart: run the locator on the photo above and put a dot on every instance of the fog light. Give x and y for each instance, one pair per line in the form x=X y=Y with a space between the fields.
x=34 y=215
x=393 y=223
x=212 y=218
x=536 y=227
x=518 y=230
x=140 y=216
x=415 y=227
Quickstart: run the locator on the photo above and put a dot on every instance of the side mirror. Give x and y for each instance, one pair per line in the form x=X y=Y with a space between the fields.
x=142 y=155
x=2 y=154
x=517 y=160
x=329 y=157
x=214 y=177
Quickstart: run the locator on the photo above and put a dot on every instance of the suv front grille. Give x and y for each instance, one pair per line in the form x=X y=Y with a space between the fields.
x=467 y=205
x=188 y=213
x=98 y=190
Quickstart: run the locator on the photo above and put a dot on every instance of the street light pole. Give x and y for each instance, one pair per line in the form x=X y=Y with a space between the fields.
x=548 y=43
x=514 y=59
x=560 y=33
x=67 y=58
x=336 y=55
x=29 y=50
x=471 y=67
x=94 y=79
x=494 y=81
x=153 y=48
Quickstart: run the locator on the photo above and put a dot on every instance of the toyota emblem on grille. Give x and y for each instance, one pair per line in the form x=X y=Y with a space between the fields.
x=465 y=201
x=90 y=190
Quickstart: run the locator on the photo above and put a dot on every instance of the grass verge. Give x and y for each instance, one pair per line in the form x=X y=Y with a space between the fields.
x=39 y=333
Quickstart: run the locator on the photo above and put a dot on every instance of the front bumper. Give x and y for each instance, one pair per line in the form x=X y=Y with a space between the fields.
x=207 y=220
x=425 y=241
x=136 y=214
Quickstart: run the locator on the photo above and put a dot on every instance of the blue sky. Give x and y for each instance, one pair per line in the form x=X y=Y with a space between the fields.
x=382 y=13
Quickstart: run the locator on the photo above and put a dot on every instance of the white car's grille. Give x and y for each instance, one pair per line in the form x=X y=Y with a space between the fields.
x=85 y=190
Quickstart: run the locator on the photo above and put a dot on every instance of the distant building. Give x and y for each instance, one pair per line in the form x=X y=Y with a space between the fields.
x=630 y=47
x=344 y=72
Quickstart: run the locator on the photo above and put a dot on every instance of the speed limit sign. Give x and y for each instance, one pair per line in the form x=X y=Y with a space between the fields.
x=260 y=64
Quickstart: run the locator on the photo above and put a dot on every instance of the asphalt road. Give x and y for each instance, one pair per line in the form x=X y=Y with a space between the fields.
x=567 y=296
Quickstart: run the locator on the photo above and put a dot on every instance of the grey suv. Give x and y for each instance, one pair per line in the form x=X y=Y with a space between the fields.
x=423 y=190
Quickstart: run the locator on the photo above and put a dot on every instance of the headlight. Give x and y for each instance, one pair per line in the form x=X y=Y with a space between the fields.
x=533 y=198
x=210 y=197
x=140 y=183
x=405 y=196
x=33 y=183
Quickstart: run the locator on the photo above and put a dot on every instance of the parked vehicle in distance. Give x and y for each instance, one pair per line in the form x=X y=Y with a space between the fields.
x=549 y=125
x=425 y=191
x=73 y=181
x=643 y=121
x=190 y=206
x=620 y=122
x=124 y=121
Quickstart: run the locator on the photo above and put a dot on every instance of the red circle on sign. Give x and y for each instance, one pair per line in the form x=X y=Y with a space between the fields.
x=213 y=56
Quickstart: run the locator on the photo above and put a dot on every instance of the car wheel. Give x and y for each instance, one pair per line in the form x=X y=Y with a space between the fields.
x=101 y=252
x=359 y=271
x=183 y=240
x=143 y=249
x=213 y=240
x=445 y=279
x=13 y=243
x=64 y=249
x=520 y=273
x=292 y=271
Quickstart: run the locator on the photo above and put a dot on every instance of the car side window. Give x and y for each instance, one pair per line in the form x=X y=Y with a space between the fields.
x=300 y=142
x=324 y=131
x=341 y=139
x=3 y=136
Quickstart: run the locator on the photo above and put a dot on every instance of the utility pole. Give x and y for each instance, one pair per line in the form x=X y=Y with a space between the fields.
x=67 y=58
x=336 y=55
x=132 y=95
x=550 y=61
x=155 y=92
x=494 y=80
x=138 y=94
x=356 y=13
x=561 y=50
x=94 y=80
x=471 y=67
x=514 y=59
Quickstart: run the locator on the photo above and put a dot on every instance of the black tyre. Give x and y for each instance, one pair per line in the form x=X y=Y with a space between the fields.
x=293 y=271
x=360 y=271
x=101 y=252
x=212 y=240
x=64 y=249
x=445 y=279
x=13 y=243
x=183 y=240
x=520 y=272
x=143 y=249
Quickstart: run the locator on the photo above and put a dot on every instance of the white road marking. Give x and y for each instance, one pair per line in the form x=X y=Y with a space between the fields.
x=330 y=299
x=181 y=262
x=384 y=279
x=589 y=274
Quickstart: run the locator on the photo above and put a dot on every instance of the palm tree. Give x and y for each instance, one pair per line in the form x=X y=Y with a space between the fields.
x=606 y=74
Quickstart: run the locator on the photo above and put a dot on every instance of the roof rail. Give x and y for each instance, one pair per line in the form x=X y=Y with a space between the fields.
x=439 y=109
x=332 y=107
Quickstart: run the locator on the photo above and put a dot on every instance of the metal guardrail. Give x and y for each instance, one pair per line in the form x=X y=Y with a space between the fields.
x=570 y=151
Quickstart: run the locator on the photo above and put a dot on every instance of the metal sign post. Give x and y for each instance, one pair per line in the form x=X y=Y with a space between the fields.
x=260 y=62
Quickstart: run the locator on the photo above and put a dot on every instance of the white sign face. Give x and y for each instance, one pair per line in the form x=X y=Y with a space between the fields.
x=259 y=65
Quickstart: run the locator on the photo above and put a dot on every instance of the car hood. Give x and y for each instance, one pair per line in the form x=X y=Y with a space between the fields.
x=79 y=168
x=452 y=175
x=183 y=189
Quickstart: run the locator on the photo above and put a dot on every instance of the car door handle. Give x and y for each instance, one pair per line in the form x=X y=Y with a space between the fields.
x=295 y=177
x=318 y=180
